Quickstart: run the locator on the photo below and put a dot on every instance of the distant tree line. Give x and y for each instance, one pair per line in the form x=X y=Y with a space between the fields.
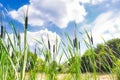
x=106 y=56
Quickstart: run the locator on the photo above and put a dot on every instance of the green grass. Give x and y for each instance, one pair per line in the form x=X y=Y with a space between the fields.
x=22 y=62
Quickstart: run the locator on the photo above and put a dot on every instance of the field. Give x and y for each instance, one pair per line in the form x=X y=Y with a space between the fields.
x=88 y=76
x=20 y=63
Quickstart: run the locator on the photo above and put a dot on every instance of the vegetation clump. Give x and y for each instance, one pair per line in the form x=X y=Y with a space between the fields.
x=16 y=62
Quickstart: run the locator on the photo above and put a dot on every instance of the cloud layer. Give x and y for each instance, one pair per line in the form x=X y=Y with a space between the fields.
x=34 y=37
x=106 y=25
x=59 y=12
x=103 y=16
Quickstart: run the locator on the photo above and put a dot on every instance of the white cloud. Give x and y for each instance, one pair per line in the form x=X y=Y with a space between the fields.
x=60 y=12
x=33 y=37
x=106 y=25
x=97 y=1
x=84 y=1
x=93 y=2
x=114 y=1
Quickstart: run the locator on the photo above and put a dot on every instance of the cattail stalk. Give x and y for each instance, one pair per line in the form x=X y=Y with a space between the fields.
x=53 y=48
x=53 y=52
x=19 y=34
x=35 y=51
x=26 y=19
x=79 y=45
x=48 y=43
x=75 y=40
x=25 y=45
x=91 y=39
x=19 y=38
x=2 y=31
x=8 y=44
x=26 y=22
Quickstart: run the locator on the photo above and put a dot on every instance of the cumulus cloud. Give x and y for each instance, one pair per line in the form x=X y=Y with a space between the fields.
x=44 y=34
x=106 y=25
x=34 y=37
x=59 y=12
x=84 y=1
x=94 y=2
x=114 y=1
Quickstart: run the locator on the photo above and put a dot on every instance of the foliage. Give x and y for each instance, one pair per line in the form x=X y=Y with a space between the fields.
x=106 y=55
x=16 y=61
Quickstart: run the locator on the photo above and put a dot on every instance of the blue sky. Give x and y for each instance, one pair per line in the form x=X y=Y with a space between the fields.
x=54 y=17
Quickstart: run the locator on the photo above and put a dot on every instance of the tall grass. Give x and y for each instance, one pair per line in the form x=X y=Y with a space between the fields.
x=15 y=61
x=25 y=45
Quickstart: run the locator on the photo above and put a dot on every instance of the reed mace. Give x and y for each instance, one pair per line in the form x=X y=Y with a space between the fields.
x=35 y=50
x=48 y=43
x=26 y=18
x=75 y=40
x=91 y=38
x=2 y=29
x=79 y=44
x=18 y=37
x=25 y=45
x=18 y=34
x=53 y=48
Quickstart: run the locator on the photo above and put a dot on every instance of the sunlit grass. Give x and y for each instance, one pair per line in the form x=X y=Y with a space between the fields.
x=17 y=63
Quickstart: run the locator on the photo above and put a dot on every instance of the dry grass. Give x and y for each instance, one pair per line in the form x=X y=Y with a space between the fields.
x=87 y=76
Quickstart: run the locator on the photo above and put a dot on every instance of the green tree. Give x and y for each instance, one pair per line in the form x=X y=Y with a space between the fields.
x=105 y=56
x=114 y=46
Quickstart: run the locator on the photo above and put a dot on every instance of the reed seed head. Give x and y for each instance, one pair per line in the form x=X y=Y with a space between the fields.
x=35 y=51
x=75 y=39
x=91 y=38
x=26 y=19
x=19 y=34
x=75 y=42
x=8 y=46
x=26 y=22
x=79 y=44
x=53 y=48
x=18 y=37
x=2 y=31
x=48 y=42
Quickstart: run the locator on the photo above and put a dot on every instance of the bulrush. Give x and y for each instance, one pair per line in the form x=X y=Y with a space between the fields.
x=26 y=19
x=18 y=34
x=35 y=50
x=1 y=31
x=1 y=26
x=48 y=43
x=8 y=45
x=79 y=44
x=91 y=39
x=18 y=37
x=75 y=40
x=53 y=48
